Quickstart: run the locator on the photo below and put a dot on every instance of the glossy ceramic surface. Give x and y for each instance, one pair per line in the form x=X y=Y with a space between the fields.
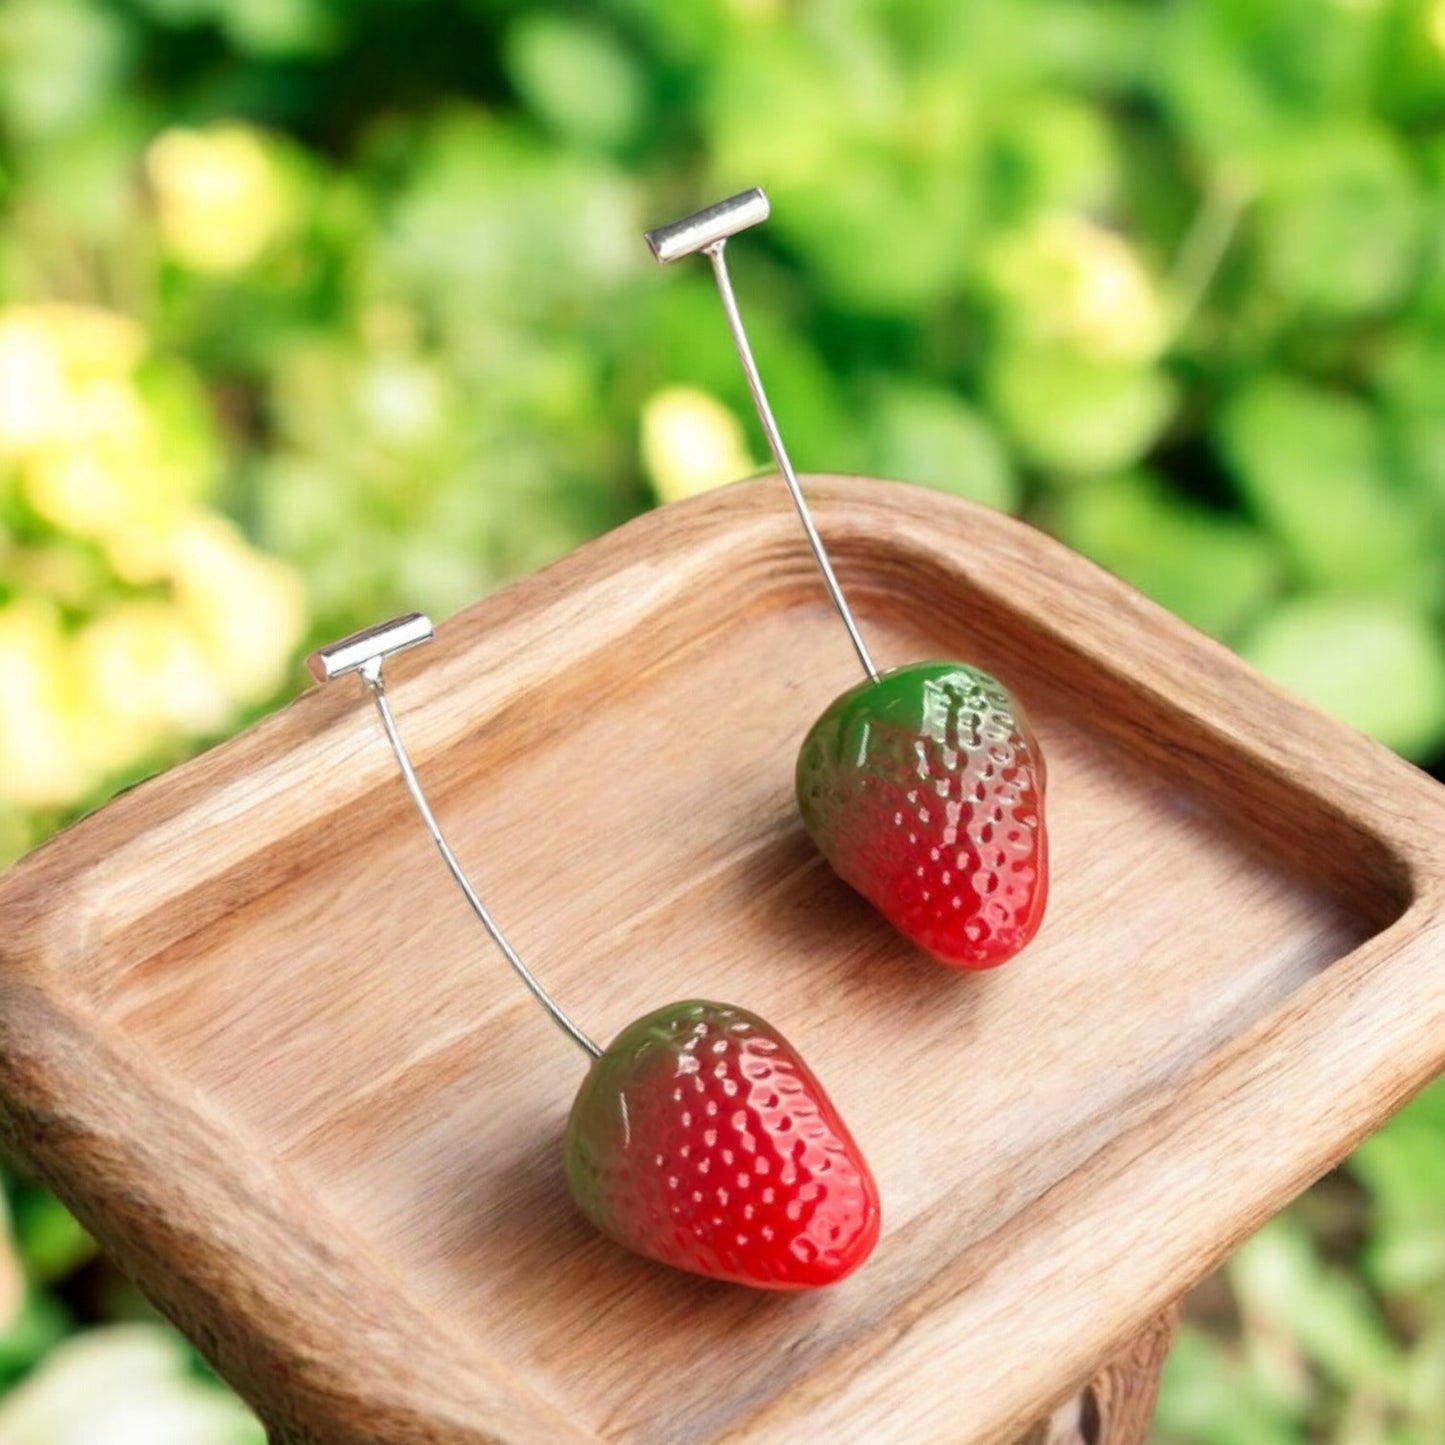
x=700 y=1138
x=925 y=791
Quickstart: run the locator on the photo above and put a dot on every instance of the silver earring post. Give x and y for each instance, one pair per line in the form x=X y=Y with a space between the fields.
x=707 y=231
x=365 y=654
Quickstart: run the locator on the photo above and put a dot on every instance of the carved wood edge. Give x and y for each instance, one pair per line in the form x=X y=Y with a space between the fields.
x=1114 y=1408
x=1117 y=1405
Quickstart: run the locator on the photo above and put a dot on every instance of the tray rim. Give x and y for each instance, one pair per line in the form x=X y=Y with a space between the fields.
x=65 y=899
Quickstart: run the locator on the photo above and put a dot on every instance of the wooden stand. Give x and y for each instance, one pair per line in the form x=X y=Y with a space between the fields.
x=1116 y=1406
x=252 y=1036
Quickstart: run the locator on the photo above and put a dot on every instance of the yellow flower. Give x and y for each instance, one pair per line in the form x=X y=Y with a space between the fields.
x=32 y=384
x=47 y=351
x=90 y=456
x=115 y=460
x=1070 y=280
x=91 y=341
x=89 y=491
x=93 y=457
x=40 y=765
x=141 y=550
x=220 y=197
x=131 y=504
x=149 y=682
x=691 y=443
x=247 y=609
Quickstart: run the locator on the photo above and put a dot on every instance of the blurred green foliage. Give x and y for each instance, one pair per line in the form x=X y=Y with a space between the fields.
x=1168 y=279
x=1337 y=1327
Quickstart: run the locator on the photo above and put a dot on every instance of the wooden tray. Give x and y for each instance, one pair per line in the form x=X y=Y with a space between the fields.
x=250 y=1033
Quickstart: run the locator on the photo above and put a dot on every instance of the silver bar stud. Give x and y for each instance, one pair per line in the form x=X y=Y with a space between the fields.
x=369 y=646
x=708 y=227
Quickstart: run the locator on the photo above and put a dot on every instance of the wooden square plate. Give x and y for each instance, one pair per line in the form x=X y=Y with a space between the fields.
x=251 y=1034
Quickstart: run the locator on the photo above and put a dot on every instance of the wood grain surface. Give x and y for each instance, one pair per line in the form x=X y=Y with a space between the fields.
x=251 y=1034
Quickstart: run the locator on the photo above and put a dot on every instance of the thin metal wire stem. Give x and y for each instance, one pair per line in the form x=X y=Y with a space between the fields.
x=371 y=676
x=780 y=455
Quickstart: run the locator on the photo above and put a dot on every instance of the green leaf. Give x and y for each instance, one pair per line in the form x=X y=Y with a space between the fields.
x=1313 y=465
x=779 y=84
x=1413 y=59
x=1209 y=1396
x=63 y=60
x=899 y=235
x=1214 y=570
x=1373 y=662
x=1104 y=45
x=41 y=1324
x=1340 y=223
x=1411 y=382
x=1427 y=1384
x=1282 y=1285
x=684 y=35
x=1218 y=90
x=1078 y=417
x=1051 y=150
x=925 y=434
x=16 y=837
x=260 y=27
x=577 y=77
x=179 y=12
x=282 y=28
x=677 y=335
x=1238 y=77
x=492 y=223
x=884 y=268
x=51 y=1241
x=84 y=178
x=1403 y=1168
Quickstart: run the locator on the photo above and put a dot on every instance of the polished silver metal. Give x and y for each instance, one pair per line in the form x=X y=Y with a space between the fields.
x=707 y=231
x=352 y=654
x=365 y=653
x=706 y=228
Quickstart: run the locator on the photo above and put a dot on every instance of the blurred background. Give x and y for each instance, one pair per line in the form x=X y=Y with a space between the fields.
x=316 y=310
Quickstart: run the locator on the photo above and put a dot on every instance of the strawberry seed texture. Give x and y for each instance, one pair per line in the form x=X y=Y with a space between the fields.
x=701 y=1139
x=924 y=790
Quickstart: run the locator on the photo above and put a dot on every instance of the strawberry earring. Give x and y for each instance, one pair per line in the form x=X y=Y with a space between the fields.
x=698 y=1138
x=923 y=786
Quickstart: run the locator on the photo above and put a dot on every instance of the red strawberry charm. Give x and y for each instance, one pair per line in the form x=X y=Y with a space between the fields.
x=924 y=789
x=700 y=1139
